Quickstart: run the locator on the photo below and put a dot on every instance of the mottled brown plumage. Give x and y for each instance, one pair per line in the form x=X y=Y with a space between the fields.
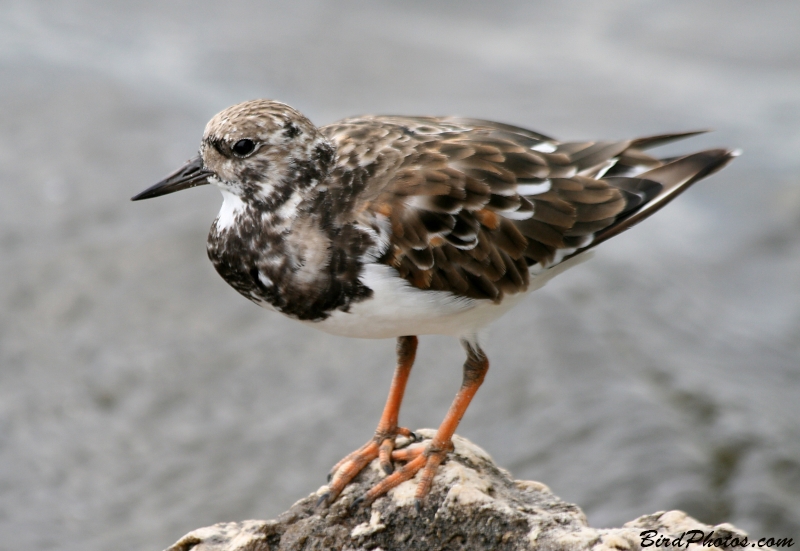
x=450 y=189
x=381 y=227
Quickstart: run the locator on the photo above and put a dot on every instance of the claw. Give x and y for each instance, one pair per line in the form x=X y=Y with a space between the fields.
x=402 y=431
x=356 y=502
x=385 y=455
x=322 y=499
x=418 y=505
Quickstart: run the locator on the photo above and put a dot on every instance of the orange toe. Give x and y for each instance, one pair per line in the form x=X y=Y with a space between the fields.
x=347 y=469
x=419 y=458
x=381 y=446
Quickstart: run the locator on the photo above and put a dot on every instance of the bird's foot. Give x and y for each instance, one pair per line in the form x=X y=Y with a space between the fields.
x=425 y=458
x=382 y=446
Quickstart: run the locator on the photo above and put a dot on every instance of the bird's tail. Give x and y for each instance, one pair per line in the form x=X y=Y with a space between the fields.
x=658 y=181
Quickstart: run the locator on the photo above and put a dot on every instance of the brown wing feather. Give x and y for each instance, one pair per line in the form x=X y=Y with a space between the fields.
x=474 y=207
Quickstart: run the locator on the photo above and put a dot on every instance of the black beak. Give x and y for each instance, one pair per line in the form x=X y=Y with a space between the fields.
x=191 y=174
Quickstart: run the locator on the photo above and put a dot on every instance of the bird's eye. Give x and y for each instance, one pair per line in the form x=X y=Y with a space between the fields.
x=243 y=148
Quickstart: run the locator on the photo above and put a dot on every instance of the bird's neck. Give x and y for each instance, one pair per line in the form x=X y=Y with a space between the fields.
x=275 y=212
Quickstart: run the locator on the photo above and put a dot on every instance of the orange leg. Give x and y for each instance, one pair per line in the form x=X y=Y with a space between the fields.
x=429 y=458
x=383 y=443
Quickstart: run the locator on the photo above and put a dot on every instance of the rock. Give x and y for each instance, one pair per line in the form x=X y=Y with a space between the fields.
x=474 y=504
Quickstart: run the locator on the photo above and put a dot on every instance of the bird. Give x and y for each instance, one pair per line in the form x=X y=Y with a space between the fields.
x=400 y=226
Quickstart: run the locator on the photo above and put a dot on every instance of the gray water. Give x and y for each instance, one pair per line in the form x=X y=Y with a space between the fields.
x=140 y=397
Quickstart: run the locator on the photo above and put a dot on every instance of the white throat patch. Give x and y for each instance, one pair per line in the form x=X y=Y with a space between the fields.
x=232 y=206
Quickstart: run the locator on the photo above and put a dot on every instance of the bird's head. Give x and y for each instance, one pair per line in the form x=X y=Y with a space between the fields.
x=260 y=150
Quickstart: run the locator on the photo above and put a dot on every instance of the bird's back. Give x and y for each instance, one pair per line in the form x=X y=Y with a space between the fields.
x=477 y=208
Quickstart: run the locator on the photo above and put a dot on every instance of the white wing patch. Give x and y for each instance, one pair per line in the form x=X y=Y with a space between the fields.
x=598 y=171
x=533 y=189
x=265 y=280
x=381 y=236
x=544 y=147
x=517 y=215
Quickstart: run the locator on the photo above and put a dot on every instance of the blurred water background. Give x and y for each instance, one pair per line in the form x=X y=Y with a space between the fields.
x=140 y=397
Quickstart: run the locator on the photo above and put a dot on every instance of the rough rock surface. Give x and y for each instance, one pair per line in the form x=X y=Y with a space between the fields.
x=474 y=504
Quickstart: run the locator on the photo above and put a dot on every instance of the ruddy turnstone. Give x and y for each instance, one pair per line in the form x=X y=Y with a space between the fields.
x=391 y=226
